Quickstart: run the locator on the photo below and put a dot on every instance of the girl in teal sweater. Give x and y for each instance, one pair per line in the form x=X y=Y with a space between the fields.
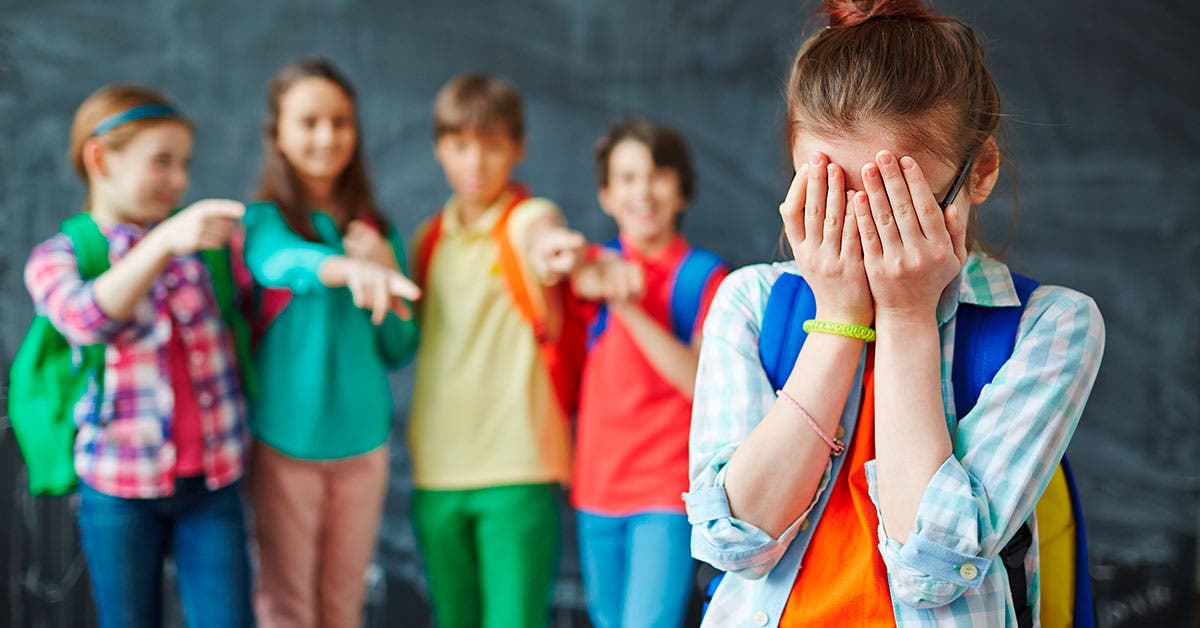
x=335 y=318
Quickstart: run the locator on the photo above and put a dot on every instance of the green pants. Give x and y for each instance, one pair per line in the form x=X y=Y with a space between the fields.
x=490 y=554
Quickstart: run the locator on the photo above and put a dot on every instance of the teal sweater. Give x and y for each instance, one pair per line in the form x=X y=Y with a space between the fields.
x=322 y=364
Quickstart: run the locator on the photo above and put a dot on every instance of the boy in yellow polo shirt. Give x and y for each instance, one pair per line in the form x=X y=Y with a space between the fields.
x=489 y=440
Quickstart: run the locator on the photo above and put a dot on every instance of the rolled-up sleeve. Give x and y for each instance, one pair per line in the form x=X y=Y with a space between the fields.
x=67 y=300
x=732 y=396
x=1005 y=451
x=277 y=256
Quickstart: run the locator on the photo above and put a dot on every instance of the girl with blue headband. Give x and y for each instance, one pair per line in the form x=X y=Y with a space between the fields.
x=161 y=435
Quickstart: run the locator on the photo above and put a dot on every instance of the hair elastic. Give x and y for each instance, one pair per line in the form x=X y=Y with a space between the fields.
x=836 y=446
x=859 y=332
x=136 y=113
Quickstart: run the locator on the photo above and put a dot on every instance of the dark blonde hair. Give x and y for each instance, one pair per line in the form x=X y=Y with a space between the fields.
x=279 y=182
x=478 y=102
x=109 y=101
x=895 y=64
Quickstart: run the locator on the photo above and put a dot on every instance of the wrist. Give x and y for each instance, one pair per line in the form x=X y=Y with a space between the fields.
x=157 y=243
x=846 y=316
x=900 y=322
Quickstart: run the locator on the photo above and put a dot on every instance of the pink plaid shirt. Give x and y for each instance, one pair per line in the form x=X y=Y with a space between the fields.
x=125 y=448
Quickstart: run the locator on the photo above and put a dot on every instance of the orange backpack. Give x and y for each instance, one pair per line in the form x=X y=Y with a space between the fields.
x=553 y=312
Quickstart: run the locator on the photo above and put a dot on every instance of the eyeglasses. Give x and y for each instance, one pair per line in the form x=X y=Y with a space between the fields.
x=959 y=180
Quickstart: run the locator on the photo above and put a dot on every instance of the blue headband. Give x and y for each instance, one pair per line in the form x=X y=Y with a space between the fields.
x=136 y=113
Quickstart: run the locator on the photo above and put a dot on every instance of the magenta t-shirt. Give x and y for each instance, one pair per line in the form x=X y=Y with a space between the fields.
x=186 y=432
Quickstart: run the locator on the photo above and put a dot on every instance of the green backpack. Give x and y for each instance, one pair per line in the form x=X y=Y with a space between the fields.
x=49 y=376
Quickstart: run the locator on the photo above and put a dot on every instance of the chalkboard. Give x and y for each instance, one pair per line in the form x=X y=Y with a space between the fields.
x=1102 y=98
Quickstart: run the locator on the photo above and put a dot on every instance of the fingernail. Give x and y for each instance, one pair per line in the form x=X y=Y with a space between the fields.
x=816 y=159
x=804 y=170
x=885 y=158
x=907 y=162
x=831 y=169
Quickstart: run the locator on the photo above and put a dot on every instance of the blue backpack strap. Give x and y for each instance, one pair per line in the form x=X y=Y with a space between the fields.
x=790 y=303
x=688 y=289
x=1084 y=614
x=984 y=339
x=601 y=322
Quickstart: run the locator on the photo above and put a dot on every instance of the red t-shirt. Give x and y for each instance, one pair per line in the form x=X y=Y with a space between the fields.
x=631 y=445
x=186 y=432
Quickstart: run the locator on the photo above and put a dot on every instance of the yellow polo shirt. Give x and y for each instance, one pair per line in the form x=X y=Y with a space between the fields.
x=483 y=409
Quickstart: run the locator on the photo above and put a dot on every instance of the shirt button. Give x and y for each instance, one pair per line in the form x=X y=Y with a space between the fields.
x=804 y=525
x=841 y=433
x=760 y=618
x=205 y=399
x=968 y=571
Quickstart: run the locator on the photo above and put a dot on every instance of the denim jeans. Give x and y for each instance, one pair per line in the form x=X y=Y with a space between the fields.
x=637 y=569
x=126 y=541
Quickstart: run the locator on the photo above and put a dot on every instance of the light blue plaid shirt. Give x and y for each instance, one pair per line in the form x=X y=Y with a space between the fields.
x=1005 y=451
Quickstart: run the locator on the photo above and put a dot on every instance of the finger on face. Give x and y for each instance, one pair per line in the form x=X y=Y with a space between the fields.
x=956 y=225
x=793 y=205
x=835 y=209
x=929 y=214
x=868 y=233
x=851 y=246
x=880 y=214
x=903 y=210
x=815 y=196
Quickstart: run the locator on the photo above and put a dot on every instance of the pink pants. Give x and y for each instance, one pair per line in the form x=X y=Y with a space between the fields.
x=316 y=523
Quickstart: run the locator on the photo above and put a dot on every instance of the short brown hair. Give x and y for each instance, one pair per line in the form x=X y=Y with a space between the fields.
x=478 y=102
x=667 y=147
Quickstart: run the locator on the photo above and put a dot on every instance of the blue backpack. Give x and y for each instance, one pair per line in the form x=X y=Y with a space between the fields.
x=984 y=340
x=687 y=289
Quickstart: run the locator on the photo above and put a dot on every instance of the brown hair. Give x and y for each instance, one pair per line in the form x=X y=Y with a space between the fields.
x=667 y=148
x=478 y=102
x=895 y=64
x=279 y=182
x=108 y=101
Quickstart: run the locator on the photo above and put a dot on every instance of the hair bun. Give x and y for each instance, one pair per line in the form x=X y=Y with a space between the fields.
x=847 y=13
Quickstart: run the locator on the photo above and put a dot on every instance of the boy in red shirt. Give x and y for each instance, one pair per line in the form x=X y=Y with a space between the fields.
x=636 y=393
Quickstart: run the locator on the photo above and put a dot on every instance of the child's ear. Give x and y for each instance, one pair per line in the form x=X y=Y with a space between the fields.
x=985 y=172
x=602 y=196
x=520 y=151
x=94 y=155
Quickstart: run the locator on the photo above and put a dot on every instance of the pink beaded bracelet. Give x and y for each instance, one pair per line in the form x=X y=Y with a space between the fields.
x=836 y=446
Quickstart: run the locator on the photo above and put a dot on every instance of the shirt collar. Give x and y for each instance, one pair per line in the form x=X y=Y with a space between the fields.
x=674 y=250
x=122 y=236
x=452 y=221
x=983 y=281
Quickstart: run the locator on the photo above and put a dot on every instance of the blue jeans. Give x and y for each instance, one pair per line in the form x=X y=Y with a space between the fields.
x=637 y=569
x=126 y=540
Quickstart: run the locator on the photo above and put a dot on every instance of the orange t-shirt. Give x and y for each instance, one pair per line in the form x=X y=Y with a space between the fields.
x=844 y=581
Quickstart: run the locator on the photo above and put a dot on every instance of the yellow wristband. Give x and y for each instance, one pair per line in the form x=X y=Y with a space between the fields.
x=860 y=332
